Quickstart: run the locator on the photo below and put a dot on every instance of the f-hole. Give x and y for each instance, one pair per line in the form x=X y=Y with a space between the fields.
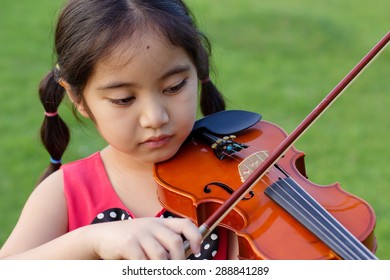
x=229 y=190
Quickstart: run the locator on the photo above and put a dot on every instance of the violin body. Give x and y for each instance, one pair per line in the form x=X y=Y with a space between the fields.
x=195 y=183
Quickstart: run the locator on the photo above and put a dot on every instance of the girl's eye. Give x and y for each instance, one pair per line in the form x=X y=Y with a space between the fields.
x=122 y=101
x=176 y=87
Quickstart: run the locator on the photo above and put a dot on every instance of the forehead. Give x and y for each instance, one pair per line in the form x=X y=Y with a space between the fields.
x=139 y=44
x=143 y=54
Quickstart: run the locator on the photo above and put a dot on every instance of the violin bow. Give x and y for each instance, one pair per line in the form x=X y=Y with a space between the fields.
x=212 y=222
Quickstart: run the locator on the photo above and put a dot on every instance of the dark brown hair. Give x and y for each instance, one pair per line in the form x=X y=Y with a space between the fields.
x=88 y=30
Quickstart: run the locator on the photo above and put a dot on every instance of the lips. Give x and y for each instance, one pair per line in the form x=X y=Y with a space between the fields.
x=157 y=141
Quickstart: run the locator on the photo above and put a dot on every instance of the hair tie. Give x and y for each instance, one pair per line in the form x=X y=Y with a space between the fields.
x=54 y=161
x=205 y=80
x=51 y=114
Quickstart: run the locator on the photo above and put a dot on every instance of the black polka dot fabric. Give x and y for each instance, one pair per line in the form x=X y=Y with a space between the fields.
x=110 y=215
x=209 y=245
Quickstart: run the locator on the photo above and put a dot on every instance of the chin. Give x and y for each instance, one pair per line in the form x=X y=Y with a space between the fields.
x=166 y=155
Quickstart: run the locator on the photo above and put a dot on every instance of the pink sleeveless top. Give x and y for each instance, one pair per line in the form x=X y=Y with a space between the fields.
x=92 y=199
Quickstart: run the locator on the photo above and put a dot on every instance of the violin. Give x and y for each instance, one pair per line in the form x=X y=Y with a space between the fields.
x=243 y=173
x=200 y=178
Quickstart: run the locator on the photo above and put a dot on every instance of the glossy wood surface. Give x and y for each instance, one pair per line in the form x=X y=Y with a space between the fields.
x=264 y=229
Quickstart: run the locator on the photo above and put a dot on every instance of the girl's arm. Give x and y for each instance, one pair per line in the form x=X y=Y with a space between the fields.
x=41 y=233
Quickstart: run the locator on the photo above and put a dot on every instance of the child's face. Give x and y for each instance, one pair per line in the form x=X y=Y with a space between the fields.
x=144 y=98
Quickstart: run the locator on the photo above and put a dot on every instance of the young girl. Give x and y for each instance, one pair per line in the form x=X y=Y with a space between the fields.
x=133 y=67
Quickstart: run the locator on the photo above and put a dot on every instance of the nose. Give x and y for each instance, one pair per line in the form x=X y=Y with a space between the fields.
x=153 y=113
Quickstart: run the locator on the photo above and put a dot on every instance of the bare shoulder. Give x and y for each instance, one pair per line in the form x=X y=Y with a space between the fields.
x=52 y=184
x=48 y=199
x=43 y=218
x=50 y=192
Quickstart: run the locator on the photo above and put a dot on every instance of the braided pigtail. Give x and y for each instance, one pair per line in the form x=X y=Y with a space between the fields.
x=55 y=134
x=211 y=100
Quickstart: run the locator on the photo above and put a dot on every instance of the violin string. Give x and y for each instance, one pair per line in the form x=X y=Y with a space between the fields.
x=331 y=223
x=313 y=226
x=321 y=228
x=356 y=244
x=331 y=220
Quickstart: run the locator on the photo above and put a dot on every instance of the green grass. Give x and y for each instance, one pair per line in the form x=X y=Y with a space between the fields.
x=278 y=58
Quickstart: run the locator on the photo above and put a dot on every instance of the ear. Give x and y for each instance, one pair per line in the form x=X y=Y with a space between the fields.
x=79 y=106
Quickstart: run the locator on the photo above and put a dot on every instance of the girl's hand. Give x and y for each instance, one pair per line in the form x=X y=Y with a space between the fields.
x=144 y=239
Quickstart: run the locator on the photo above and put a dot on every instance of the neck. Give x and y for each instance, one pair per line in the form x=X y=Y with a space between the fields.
x=123 y=162
x=133 y=182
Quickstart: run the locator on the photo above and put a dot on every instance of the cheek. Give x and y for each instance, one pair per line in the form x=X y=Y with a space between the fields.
x=185 y=121
x=119 y=135
x=112 y=125
x=190 y=104
x=191 y=99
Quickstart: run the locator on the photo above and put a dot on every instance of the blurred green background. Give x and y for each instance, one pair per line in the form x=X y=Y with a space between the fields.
x=278 y=58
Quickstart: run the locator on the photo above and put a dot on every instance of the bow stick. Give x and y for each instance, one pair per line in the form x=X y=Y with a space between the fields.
x=209 y=225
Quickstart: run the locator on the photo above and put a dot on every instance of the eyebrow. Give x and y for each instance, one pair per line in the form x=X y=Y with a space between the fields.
x=176 y=70
x=118 y=84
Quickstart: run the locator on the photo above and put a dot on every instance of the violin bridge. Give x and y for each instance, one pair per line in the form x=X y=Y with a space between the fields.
x=251 y=163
